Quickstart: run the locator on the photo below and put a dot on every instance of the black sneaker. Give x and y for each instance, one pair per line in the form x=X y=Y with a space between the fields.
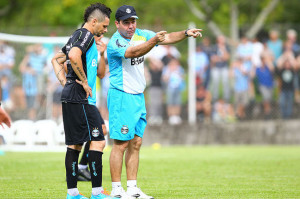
x=84 y=175
x=80 y=178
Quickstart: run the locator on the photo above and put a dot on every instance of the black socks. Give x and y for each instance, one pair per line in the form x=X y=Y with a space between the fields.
x=95 y=165
x=71 y=163
x=84 y=159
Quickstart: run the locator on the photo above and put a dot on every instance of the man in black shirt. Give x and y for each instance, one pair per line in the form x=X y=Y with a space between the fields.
x=82 y=120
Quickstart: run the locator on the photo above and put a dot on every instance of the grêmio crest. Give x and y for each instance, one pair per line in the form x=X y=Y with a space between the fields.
x=124 y=129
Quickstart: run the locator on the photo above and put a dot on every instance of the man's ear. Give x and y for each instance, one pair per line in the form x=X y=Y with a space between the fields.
x=94 y=21
x=117 y=24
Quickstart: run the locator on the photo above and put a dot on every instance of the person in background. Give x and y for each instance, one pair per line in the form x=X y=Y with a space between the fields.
x=275 y=44
x=208 y=50
x=240 y=72
x=7 y=62
x=286 y=70
x=29 y=77
x=202 y=65
x=223 y=112
x=155 y=92
x=220 y=69
x=37 y=60
x=291 y=38
x=245 y=51
x=203 y=103
x=54 y=90
x=4 y=117
x=173 y=78
x=264 y=75
x=103 y=97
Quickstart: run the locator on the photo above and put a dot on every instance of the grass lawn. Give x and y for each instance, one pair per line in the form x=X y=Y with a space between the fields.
x=168 y=173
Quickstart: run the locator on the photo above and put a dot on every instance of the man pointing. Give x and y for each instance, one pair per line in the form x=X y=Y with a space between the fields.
x=126 y=102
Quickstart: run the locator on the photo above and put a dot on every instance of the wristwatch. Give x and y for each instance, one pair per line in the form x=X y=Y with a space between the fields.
x=186 y=34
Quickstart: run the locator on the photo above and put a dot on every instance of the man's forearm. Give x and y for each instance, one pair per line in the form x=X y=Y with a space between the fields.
x=101 y=67
x=57 y=63
x=140 y=50
x=174 y=37
x=76 y=64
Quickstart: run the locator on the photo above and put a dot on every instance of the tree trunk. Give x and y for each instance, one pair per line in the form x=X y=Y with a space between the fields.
x=259 y=22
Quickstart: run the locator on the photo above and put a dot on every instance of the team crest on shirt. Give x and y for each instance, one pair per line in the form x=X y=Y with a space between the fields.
x=95 y=132
x=124 y=129
x=118 y=44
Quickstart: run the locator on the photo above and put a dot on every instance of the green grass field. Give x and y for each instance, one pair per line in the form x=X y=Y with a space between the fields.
x=168 y=173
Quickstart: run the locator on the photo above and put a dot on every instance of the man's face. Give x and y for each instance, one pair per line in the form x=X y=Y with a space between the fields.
x=126 y=27
x=101 y=27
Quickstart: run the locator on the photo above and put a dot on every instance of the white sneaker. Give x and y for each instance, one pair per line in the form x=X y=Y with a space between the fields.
x=119 y=192
x=136 y=192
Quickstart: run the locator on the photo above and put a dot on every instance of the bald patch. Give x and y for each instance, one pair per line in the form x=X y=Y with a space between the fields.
x=98 y=15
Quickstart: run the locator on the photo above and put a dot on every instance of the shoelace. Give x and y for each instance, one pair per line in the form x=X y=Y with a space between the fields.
x=105 y=192
x=81 y=194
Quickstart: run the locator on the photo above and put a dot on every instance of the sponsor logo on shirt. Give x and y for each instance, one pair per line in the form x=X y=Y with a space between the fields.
x=94 y=63
x=85 y=39
x=118 y=44
x=137 y=60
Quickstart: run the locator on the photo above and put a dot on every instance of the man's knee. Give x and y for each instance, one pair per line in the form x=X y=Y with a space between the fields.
x=136 y=143
x=120 y=145
x=75 y=147
x=97 y=145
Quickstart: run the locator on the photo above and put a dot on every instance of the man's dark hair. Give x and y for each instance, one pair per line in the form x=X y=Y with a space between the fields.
x=96 y=7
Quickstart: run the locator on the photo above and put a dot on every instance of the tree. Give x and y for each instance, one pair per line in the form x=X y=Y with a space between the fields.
x=204 y=12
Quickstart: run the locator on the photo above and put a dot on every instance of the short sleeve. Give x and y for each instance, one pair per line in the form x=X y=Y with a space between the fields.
x=64 y=50
x=82 y=40
x=149 y=34
x=117 y=47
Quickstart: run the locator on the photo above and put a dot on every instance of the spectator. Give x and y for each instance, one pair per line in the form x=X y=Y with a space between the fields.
x=54 y=89
x=219 y=69
x=202 y=65
x=6 y=87
x=291 y=36
x=7 y=62
x=240 y=73
x=171 y=52
x=173 y=78
x=286 y=69
x=257 y=50
x=223 y=112
x=162 y=51
x=245 y=51
x=37 y=60
x=203 y=103
x=29 y=86
x=275 y=44
x=264 y=74
x=103 y=97
x=155 y=92
x=208 y=50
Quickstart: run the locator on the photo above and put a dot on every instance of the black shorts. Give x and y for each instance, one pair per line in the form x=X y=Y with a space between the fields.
x=82 y=122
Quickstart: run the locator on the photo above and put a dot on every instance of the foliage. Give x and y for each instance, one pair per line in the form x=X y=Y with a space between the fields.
x=32 y=15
